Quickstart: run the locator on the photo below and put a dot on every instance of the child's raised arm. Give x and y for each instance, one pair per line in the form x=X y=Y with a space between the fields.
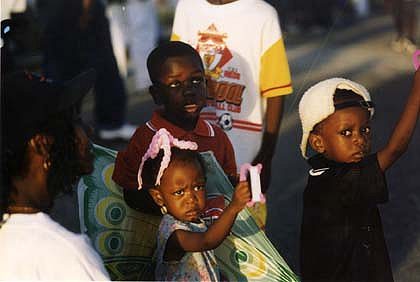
x=185 y=241
x=404 y=129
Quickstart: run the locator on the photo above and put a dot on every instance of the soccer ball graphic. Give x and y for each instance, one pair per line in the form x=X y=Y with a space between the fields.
x=225 y=121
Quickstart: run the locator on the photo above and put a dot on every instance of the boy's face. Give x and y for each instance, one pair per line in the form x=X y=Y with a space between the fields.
x=344 y=136
x=182 y=90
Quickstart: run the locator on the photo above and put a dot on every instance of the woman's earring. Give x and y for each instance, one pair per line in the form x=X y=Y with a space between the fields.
x=46 y=164
x=163 y=210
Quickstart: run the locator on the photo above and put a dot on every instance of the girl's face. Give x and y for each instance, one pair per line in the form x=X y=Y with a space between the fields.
x=344 y=136
x=182 y=190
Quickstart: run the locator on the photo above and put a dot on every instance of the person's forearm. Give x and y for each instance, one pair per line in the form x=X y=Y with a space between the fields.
x=404 y=129
x=220 y=229
x=211 y=239
x=272 y=122
x=217 y=232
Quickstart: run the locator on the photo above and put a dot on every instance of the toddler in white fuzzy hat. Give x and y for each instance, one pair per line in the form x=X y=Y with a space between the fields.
x=341 y=232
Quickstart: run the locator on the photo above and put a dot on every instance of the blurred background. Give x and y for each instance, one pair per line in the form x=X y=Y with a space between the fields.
x=355 y=39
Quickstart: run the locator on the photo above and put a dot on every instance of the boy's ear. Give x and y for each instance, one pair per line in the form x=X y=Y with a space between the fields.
x=316 y=142
x=155 y=95
x=157 y=197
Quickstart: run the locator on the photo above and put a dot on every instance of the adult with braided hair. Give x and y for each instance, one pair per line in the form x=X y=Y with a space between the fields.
x=45 y=150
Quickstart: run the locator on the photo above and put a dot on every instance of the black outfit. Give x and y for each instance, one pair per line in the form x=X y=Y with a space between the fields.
x=70 y=48
x=315 y=13
x=341 y=235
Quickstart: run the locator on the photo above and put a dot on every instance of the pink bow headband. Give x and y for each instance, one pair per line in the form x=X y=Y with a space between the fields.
x=163 y=140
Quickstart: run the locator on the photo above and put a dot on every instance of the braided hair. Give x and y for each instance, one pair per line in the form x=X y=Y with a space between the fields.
x=64 y=158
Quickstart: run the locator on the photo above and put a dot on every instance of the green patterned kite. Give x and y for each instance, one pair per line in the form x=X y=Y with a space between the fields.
x=126 y=238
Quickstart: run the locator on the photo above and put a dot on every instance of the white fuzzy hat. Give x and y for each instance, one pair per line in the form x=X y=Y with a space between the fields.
x=317 y=104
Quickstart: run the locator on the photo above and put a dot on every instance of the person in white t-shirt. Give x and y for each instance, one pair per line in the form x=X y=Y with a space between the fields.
x=242 y=49
x=44 y=151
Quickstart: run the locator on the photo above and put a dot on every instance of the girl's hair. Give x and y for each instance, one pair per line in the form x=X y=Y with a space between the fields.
x=152 y=166
x=64 y=158
x=163 y=149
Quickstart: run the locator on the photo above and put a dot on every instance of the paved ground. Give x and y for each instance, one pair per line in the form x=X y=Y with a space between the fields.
x=360 y=52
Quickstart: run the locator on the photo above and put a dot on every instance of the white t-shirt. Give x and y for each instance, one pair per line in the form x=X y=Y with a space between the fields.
x=243 y=53
x=34 y=247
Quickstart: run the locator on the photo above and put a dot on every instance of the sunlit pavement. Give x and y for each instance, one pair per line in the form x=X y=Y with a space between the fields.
x=362 y=53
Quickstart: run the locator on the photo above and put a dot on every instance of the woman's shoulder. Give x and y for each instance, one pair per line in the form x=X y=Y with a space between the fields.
x=51 y=241
x=62 y=237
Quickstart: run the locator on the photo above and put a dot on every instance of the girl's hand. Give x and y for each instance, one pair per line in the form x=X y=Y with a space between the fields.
x=187 y=241
x=241 y=196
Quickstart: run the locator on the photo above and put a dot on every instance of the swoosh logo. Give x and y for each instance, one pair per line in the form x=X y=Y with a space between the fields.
x=318 y=172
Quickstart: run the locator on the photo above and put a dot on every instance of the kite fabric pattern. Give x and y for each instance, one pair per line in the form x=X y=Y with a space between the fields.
x=126 y=239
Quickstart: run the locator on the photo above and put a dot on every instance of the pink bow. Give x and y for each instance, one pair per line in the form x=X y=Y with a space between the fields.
x=163 y=140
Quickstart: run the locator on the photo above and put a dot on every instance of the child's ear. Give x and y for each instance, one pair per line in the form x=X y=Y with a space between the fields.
x=157 y=197
x=155 y=95
x=316 y=142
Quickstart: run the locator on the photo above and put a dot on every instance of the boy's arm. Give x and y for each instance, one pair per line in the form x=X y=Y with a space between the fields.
x=186 y=241
x=229 y=161
x=124 y=173
x=404 y=129
x=265 y=155
x=275 y=81
x=128 y=160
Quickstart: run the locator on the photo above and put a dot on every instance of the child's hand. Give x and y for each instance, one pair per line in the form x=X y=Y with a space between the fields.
x=241 y=196
x=188 y=241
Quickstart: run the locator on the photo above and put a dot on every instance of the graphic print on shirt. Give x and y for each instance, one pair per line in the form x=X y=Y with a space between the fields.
x=225 y=90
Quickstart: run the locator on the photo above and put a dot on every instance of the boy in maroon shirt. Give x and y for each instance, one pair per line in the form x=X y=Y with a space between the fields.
x=179 y=86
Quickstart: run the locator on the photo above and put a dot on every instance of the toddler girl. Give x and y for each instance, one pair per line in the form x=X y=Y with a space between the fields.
x=173 y=173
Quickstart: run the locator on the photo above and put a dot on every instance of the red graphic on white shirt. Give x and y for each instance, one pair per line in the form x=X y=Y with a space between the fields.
x=223 y=95
x=212 y=48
